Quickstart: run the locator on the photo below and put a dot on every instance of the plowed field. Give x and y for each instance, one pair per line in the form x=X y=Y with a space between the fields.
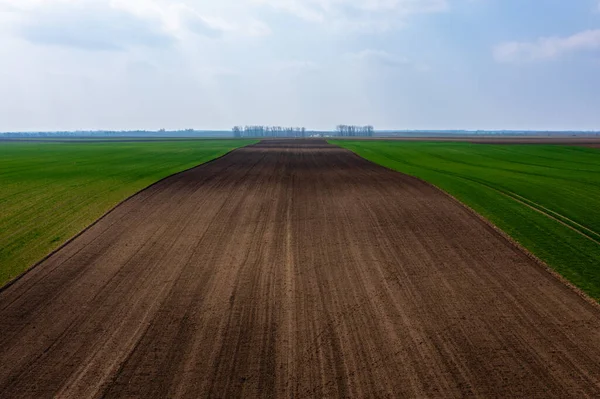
x=294 y=269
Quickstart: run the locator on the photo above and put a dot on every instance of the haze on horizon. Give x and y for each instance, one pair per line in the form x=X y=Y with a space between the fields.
x=206 y=64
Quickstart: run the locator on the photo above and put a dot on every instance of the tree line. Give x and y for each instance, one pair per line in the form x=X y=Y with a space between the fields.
x=268 y=131
x=354 y=131
x=278 y=131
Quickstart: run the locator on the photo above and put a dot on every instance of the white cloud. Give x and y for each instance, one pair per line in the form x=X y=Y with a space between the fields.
x=182 y=19
x=329 y=7
x=360 y=14
x=92 y=28
x=178 y=18
x=547 y=48
x=112 y=24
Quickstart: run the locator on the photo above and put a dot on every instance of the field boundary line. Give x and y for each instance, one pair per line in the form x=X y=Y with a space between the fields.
x=540 y=263
x=105 y=214
x=521 y=248
x=549 y=213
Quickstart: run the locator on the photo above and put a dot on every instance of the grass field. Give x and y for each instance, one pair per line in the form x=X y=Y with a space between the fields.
x=51 y=191
x=546 y=197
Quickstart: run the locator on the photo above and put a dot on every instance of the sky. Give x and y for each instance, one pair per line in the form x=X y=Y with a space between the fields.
x=213 y=64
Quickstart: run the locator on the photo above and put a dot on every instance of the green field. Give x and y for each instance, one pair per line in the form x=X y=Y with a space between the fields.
x=51 y=191
x=546 y=197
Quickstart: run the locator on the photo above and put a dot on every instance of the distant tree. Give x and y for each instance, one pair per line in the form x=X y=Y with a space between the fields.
x=354 y=131
x=268 y=131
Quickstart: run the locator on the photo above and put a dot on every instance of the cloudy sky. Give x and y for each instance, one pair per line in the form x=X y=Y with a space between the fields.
x=210 y=64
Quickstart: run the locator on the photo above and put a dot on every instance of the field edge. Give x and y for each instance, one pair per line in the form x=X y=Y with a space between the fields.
x=7 y=284
x=549 y=269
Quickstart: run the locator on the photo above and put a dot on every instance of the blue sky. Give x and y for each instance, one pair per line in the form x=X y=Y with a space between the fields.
x=211 y=64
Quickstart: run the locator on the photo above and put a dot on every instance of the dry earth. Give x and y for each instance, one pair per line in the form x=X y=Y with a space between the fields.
x=294 y=269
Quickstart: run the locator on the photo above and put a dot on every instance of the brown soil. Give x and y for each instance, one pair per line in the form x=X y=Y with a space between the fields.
x=294 y=269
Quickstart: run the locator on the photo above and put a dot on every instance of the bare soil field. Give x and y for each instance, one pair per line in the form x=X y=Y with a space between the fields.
x=294 y=269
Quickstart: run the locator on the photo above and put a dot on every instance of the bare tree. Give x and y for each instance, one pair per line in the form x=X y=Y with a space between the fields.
x=354 y=131
x=268 y=131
